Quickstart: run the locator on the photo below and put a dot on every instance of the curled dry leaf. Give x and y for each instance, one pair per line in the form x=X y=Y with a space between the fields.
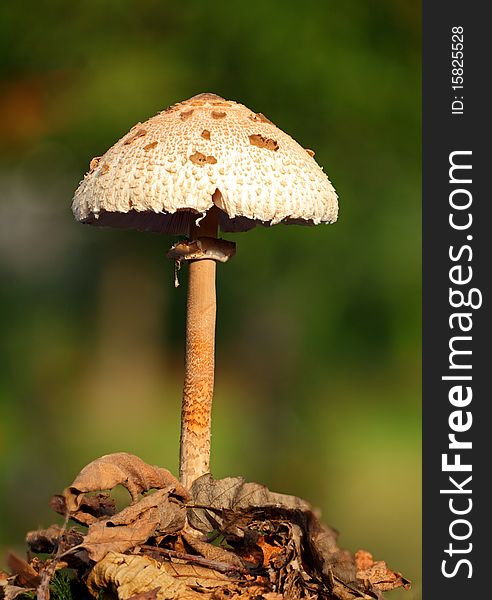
x=196 y=576
x=333 y=563
x=48 y=541
x=123 y=469
x=223 y=497
x=269 y=550
x=377 y=573
x=131 y=575
x=128 y=576
x=152 y=515
x=160 y=554
x=9 y=591
x=25 y=574
x=233 y=506
x=90 y=510
x=211 y=552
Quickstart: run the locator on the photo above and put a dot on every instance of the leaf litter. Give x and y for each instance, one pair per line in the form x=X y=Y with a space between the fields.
x=224 y=539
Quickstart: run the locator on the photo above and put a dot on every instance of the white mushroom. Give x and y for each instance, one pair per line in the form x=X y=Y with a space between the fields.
x=202 y=164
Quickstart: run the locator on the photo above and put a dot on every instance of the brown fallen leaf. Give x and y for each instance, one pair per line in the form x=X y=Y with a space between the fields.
x=134 y=525
x=363 y=560
x=150 y=595
x=269 y=548
x=161 y=554
x=128 y=576
x=48 y=540
x=252 y=556
x=234 y=507
x=247 y=592
x=377 y=573
x=124 y=469
x=91 y=508
x=214 y=553
x=26 y=575
x=196 y=576
x=9 y=591
x=262 y=541
x=160 y=507
x=330 y=560
x=233 y=494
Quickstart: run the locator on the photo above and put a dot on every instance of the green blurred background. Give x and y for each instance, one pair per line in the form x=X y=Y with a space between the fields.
x=318 y=337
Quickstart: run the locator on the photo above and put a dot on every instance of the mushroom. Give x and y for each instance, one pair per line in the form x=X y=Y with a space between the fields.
x=203 y=164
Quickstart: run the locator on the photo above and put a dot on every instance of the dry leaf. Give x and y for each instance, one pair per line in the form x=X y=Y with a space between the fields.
x=10 y=592
x=26 y=576
x=47 y=540
x=195 y=575
x=134 y=525
x=298 y=556
x=363 y=560
x=91 y=508
x=128 y=576
x=214 y=553
x=377 y=573
x=120 y=468
x=252 y=556
x=233 y=494
x=330 y=560
x=150 y=595
x=233 y=506
x=269 y=550
x=102 y=539
x=246 y=592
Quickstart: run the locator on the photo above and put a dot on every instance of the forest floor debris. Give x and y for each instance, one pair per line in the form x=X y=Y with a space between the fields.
x=223 y=539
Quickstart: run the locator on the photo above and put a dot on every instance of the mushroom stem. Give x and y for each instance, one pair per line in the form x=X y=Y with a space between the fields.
x=200 y=359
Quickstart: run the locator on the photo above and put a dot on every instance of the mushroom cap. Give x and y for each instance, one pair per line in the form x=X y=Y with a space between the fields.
x=167 y=172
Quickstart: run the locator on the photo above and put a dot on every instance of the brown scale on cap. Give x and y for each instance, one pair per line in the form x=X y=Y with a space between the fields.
x=186 y=114
x=205 y=134
x=218 y=114
x=94 y=163
x=263 y=142
x=200 y=159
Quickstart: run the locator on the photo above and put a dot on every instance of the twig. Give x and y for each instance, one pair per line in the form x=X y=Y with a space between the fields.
x=220 y=566
x=43 y=591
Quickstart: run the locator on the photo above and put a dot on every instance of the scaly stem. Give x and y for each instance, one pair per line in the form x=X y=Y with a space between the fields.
x=199 y=363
